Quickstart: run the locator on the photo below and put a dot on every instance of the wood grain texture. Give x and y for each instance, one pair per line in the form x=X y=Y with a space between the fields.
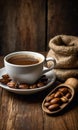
x=25 y=113
x=66 y=121
x=22 y=25
x=62 y=18
x=20 y=112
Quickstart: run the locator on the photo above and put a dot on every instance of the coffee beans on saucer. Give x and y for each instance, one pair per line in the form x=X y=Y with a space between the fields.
x=16 y=85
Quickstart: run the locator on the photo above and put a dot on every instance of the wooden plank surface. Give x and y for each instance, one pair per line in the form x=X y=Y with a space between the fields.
x=22 y=25
x=21 y=112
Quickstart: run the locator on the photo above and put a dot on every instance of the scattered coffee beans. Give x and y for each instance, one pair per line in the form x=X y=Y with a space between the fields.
x=8 y=81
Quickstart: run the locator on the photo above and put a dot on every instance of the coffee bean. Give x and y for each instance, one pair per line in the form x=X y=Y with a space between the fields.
x=23 y=86
x=68 y=95
x=48 y=98
x=46 y=104
x=33 y=86
x=40 y=84
x=58 y=94
x=12 y=84
x=54 y=107
x=55 y=101
x=64 y=90
x=64 y=99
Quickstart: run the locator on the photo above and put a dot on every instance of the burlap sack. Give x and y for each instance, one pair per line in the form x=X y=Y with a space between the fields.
x=63 y=74
x=62 y=61
x=64 y=49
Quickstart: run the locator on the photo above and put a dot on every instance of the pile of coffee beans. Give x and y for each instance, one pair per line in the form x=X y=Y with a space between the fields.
x=8 y=81
x=58 y=98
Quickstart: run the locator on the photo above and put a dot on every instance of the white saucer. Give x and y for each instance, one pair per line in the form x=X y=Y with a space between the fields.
x=50 y=75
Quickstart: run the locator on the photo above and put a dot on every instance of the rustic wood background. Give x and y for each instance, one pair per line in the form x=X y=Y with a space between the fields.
x=29 y=24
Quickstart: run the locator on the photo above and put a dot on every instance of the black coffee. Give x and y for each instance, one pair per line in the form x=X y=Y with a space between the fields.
x=23 y=60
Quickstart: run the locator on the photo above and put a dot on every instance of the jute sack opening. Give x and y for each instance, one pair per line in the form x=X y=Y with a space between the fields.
x=64 y=49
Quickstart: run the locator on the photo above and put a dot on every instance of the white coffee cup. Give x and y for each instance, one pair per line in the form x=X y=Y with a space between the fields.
x=27 y=73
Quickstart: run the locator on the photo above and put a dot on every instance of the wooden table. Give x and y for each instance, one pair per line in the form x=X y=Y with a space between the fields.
x=22 y=112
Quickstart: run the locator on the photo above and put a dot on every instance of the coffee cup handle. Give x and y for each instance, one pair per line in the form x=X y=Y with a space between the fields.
x=53 y=65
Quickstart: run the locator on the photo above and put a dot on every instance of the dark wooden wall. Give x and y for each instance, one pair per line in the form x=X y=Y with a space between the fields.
x=62 y=17
x=30 y=24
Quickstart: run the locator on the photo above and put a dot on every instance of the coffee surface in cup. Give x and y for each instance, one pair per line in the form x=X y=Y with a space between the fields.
x=23 y=60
